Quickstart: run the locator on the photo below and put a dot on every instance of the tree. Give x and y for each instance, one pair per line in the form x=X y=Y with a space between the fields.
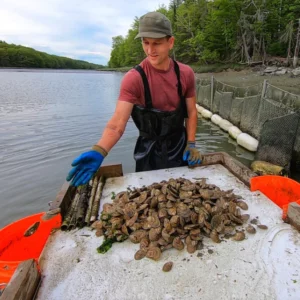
x=295 y=60
x=287 y=37
x=24 y=57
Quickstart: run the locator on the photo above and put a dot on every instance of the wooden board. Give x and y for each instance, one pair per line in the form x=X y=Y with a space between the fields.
x=24 y=282
x=67 y=192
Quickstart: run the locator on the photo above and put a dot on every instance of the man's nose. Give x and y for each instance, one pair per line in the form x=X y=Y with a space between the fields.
x=150 y=49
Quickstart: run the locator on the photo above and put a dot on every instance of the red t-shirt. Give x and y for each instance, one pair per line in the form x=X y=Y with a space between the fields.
x=163 y=86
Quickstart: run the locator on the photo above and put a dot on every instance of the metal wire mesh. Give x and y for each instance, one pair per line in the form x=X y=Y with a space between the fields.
x=250 y=114
x=236 y=111
x=296 y=150
x=204 y=95
x=238 y=91
x=277 y=139
x=267 y=116
x=225 y=105
x=216 y=102
x=286 y=98
x=269 y=109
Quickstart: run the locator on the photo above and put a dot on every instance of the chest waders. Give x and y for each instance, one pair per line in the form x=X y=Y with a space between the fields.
x=162 y=134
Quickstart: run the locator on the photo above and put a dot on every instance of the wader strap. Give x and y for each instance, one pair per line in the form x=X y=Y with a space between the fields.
x=182 y=99
x=148 y=100
x=176 y=67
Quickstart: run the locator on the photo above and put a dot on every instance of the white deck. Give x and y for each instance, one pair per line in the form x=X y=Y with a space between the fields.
x=264 y=266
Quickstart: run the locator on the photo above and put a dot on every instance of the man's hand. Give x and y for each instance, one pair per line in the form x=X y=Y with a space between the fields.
x=86 y=165
x=191 y=154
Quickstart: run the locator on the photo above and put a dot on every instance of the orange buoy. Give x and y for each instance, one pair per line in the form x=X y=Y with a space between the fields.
x=22 y=240
x=281 y=190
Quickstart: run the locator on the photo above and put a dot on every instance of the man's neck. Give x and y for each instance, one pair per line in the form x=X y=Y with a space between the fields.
x=162 y=67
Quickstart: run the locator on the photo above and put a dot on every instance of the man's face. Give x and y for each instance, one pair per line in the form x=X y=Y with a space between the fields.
x=157 y=51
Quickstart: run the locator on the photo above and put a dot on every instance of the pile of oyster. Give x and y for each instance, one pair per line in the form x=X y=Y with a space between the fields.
x=172 y=214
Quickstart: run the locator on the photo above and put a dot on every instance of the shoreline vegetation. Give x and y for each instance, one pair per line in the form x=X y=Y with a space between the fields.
x=18 y=56
x=206 y=68
x=197 y=69
x=211 y=36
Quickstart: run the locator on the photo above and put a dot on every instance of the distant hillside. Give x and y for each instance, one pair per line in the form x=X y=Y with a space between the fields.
x=16 y=56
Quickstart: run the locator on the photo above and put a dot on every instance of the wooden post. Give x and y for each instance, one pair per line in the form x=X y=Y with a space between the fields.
x=211 y=92
x=264 y=89
x=91 y=201
x=24 y=282
x=96 y=203
x=262 y=96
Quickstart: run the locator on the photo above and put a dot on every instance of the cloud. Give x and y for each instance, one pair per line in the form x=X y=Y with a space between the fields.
x=76 y=29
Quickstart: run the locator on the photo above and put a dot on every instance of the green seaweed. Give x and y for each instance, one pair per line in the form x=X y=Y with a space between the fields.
x=105 y=217
x=106 y=245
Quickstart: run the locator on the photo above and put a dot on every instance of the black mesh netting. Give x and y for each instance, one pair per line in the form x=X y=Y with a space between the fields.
x=288 y=99
x=277 y=140
x=249 y=114
x=204 y=95
x=236 y=111
x=216 y=102
x=296 y=150
x=238 y=91
x=269 y=109
x=225 y=105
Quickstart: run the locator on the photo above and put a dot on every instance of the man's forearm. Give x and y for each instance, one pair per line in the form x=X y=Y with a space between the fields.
x=116 y=126
x=110 y=136
x=191 y=125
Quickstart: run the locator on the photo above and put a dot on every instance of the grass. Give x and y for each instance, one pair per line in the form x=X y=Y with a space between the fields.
x=213 y=68
x=122 y=69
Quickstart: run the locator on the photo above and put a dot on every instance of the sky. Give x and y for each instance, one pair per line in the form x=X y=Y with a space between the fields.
x=79 y=29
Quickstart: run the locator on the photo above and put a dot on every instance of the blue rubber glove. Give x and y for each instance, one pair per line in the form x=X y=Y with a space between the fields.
x=191 y=154
x=86 y=165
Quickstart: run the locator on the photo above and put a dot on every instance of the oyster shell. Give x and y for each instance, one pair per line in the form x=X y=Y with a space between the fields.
x=172 y=214
x=140 y=254
x=167 y=266
x=239 y=236
x=262 y=226
x=154 y=253
x=242 y=204
x=178 y=244
x=250 y=229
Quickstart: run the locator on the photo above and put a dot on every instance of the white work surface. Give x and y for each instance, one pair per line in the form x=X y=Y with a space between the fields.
x=263 y=266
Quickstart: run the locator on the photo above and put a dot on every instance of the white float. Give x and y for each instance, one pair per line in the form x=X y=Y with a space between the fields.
x=216 y=119
x=247 y=141
x=225 y=125
x=199 y=108
x=206 y=114
x=234 y=132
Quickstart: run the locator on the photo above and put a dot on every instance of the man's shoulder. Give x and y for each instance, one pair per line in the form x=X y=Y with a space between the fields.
x=131 y=75
x=184 y=68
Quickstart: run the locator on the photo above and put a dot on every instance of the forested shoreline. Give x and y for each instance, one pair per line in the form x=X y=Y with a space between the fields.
x=17 y=56
x=210 y=35
x=222 y=31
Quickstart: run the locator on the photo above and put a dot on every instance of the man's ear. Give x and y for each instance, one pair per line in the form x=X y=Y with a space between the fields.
x=171 y=42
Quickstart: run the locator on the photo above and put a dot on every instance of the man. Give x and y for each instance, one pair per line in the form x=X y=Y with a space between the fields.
x=159 y=95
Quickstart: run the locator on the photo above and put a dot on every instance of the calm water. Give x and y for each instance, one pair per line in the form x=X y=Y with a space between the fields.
x=47 y=118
